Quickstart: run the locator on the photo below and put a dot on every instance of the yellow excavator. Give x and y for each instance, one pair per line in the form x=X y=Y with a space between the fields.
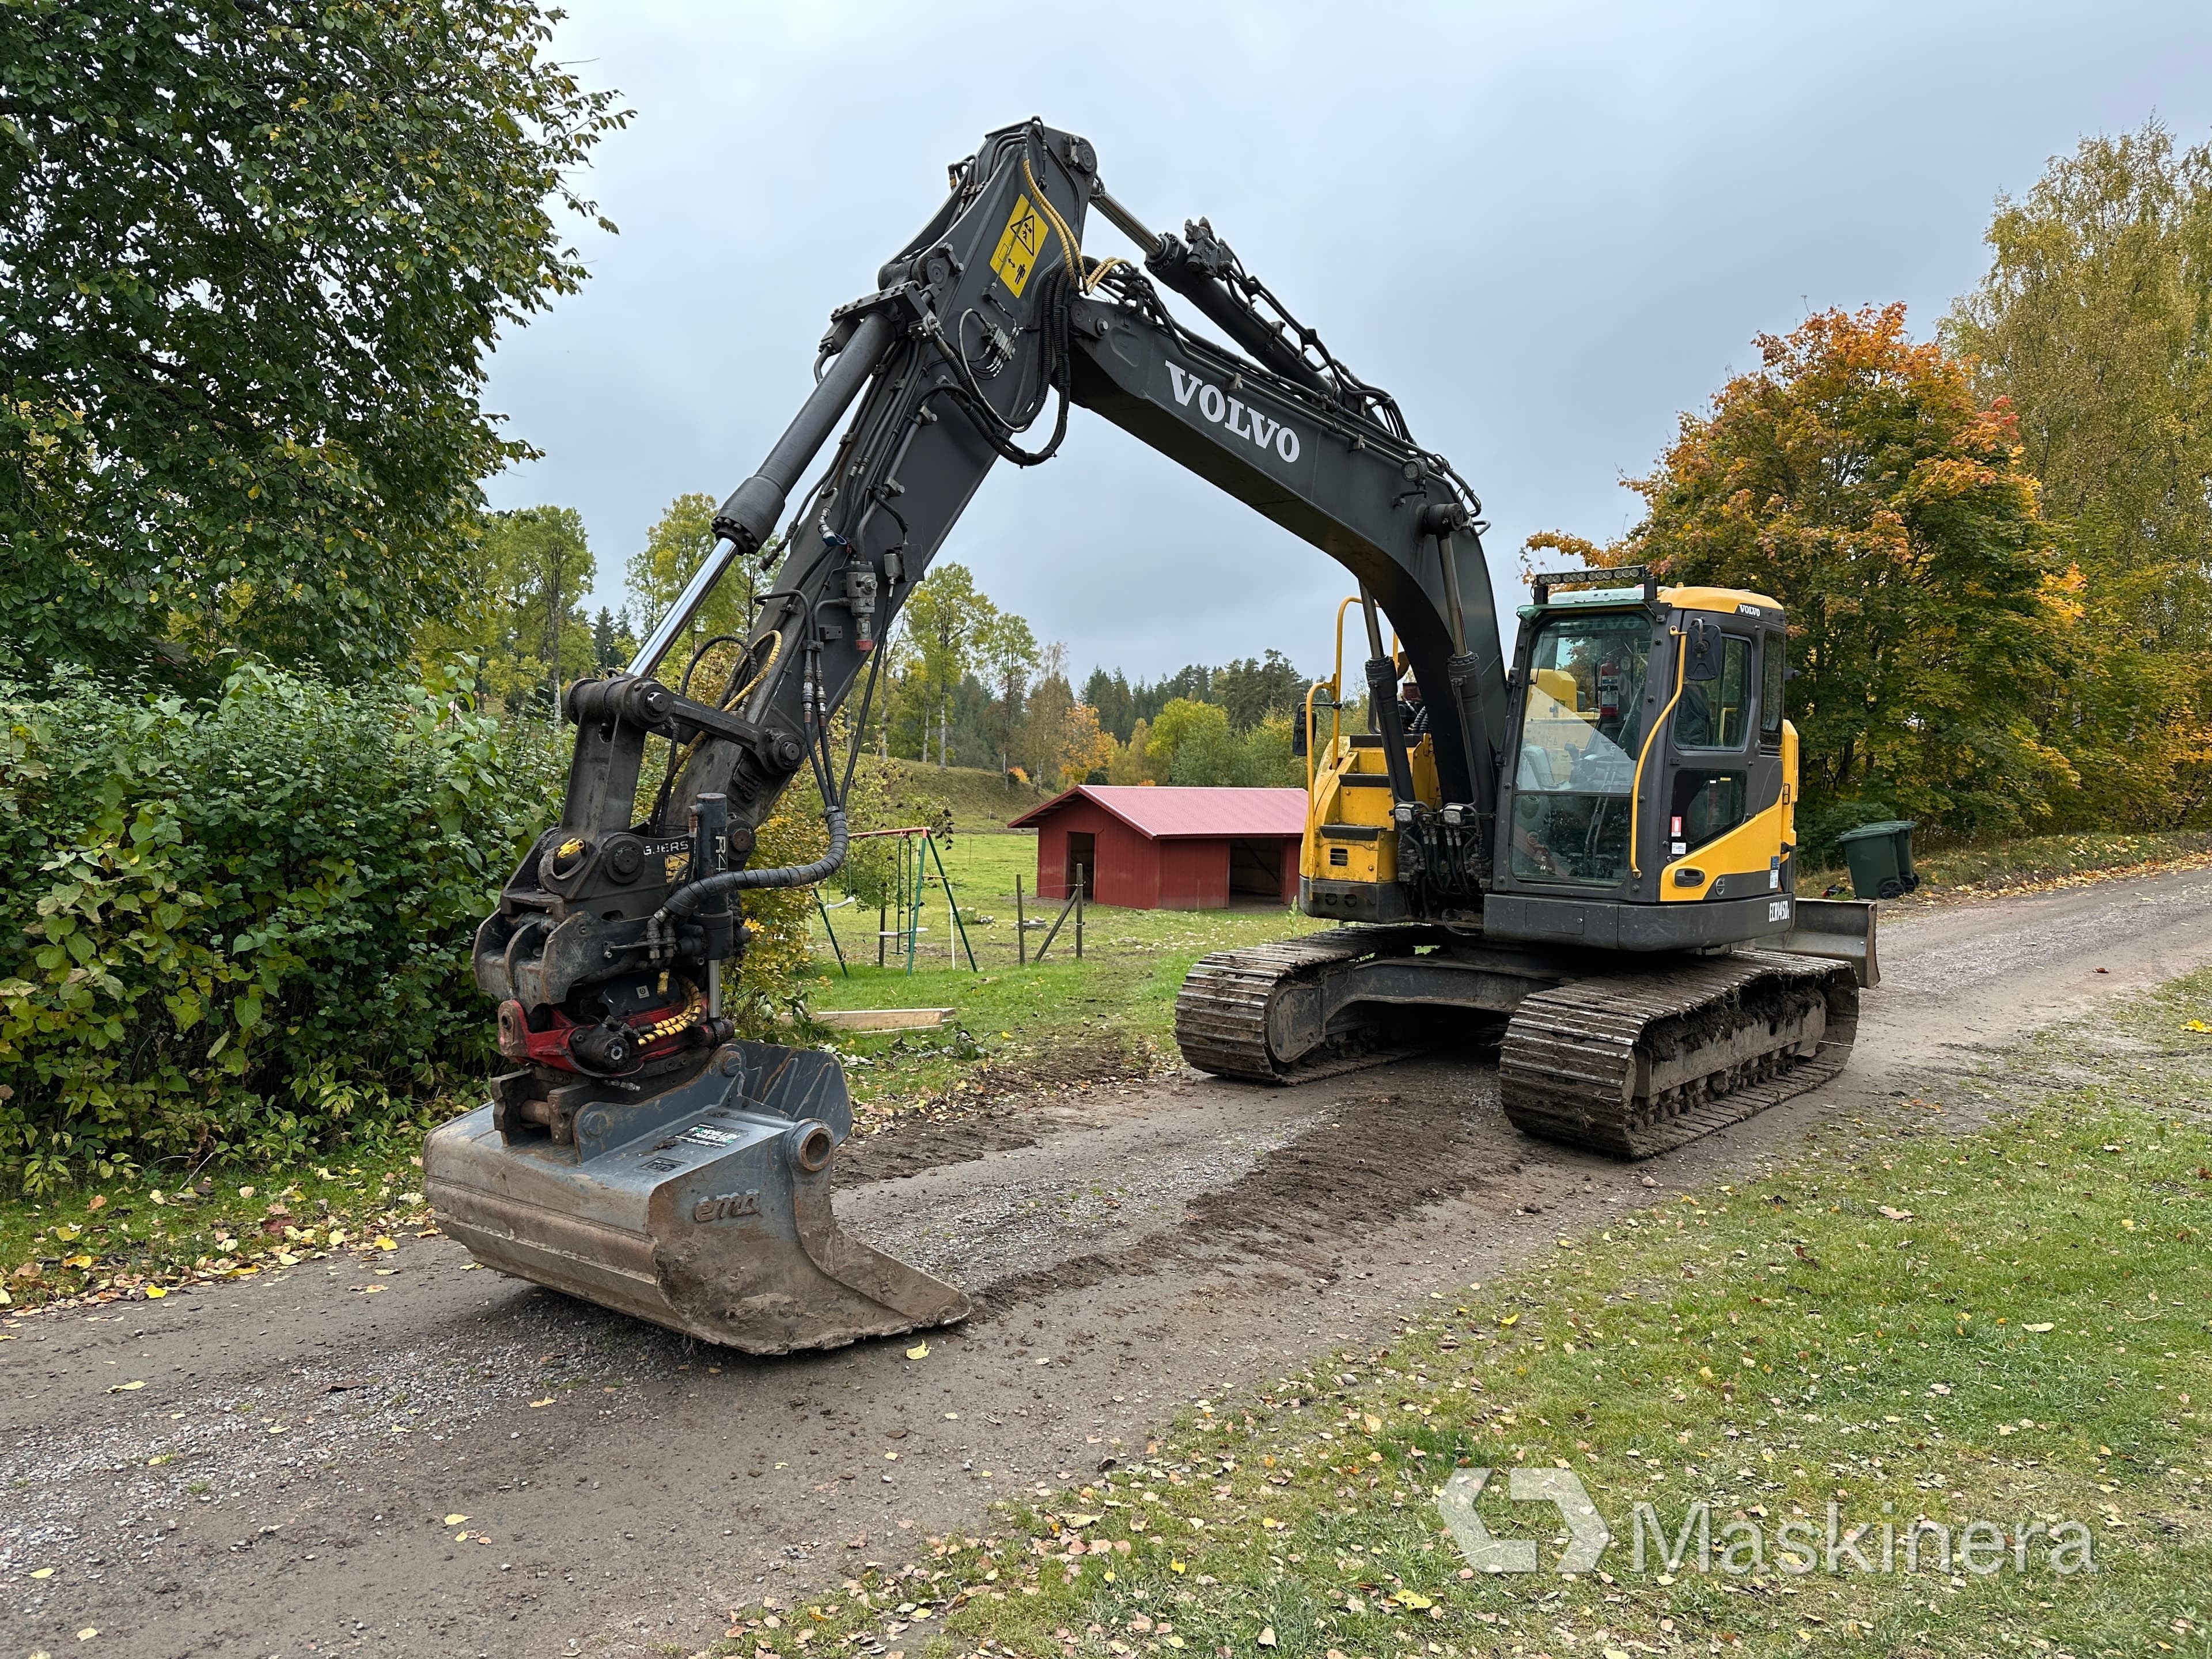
x=1584 y=858
x=1642 y=838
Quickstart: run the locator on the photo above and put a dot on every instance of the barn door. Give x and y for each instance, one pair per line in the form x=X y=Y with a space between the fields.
x=1082 y=863
x=1256 y=870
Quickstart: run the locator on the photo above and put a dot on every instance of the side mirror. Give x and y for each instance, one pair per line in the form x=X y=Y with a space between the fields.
x=1702 y=639
x=1299 y=741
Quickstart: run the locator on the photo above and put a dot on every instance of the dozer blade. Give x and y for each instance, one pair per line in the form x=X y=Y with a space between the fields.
x=705 y=1209
x=1841 y=930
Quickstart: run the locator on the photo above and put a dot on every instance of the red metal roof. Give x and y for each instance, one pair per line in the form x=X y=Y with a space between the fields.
x=1167 y=812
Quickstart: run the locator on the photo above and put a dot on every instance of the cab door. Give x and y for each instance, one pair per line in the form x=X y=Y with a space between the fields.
x=1720 y=816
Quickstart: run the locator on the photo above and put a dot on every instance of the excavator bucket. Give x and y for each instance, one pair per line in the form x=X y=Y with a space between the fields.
x=705 y=1209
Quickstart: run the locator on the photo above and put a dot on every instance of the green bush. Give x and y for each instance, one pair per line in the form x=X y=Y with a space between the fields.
x=238 y=927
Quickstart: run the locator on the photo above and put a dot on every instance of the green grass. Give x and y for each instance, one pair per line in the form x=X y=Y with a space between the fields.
x=1064 y=1021
x=1996 y=866
x=137 y=1239
x=2009 y=1325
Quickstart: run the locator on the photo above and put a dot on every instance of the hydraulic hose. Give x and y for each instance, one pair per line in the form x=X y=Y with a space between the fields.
x=659 y=932
x=687 y=899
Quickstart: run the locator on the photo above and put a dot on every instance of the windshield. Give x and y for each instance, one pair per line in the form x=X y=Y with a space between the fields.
x=1580 y=729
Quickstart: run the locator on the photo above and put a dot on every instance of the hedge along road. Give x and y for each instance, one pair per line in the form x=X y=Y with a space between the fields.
x=436 y=1461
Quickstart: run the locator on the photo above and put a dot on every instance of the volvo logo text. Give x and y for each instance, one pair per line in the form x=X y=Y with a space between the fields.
x=1233 y=413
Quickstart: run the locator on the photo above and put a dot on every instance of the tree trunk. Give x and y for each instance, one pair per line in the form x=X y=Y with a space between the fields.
x=553 y=631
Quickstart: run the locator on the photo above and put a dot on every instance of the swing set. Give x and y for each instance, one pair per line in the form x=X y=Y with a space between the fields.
x=918 y=851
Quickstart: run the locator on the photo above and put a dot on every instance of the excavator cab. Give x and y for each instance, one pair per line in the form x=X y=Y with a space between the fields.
x=1647 y=782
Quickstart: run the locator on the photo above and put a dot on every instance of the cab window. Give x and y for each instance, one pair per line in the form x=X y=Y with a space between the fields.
x=1581 y=727
x=1716 y=713
x=1772 y=659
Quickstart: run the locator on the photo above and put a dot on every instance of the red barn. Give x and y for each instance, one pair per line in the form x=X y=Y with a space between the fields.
x=1162 y=848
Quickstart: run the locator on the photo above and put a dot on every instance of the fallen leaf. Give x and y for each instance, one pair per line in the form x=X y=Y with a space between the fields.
x=88 y=1632
x=1939 y=1387
x=455 y=1520
x=535 y=1404
x=1408 y=1599
x=385 y=1242
x=42 y=1572
x=1510 y=1319
x=1894 y=1215
x=98 y=1201
x=126 y=1388
x=155 y=1293
x=2045 y=1326
x=368 y=1289
x=1175 y=1566
x=1374 y=1424
x=919 y=1351
x=1268 y=1637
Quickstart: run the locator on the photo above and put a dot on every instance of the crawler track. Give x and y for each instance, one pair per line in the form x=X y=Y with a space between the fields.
x=1637 y=1063
x=1629 y=1061
x=1229 y=1000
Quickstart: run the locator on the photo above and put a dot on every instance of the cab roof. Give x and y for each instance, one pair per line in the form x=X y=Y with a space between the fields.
x=1728 y=601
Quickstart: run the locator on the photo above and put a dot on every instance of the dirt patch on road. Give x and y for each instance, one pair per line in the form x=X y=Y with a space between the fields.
x=909 y=1147
x=1002 y=1106
x=1378 y=1156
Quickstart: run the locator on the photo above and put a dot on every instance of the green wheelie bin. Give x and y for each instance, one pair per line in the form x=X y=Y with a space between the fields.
x=1880 y=857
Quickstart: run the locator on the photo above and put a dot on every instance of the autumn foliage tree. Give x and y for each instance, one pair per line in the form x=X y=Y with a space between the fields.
x=1855 y=476
x=2095 y=323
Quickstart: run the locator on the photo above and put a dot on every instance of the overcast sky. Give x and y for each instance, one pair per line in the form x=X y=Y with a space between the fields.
x=1547 y=229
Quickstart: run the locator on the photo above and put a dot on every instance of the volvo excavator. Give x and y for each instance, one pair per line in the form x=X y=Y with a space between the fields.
x=1583 y=858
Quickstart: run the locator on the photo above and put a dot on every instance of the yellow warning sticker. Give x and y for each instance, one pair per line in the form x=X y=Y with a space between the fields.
x=1021 y=246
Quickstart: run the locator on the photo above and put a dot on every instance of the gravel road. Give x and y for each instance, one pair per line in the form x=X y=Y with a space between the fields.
x=429 y=1460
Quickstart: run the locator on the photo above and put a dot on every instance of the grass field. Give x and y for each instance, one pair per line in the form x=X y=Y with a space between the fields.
x=1064 y=1021
x=2000 y=1333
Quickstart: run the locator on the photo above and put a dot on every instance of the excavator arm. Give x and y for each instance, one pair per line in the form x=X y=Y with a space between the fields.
x=607 y=948
x=988 y=318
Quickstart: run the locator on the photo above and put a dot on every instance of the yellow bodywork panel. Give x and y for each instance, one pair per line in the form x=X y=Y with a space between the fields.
x=1368 y=857
x=1751 y=848
x=1790 y=783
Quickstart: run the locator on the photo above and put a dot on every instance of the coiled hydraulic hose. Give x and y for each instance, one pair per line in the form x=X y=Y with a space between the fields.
x=689 y=899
